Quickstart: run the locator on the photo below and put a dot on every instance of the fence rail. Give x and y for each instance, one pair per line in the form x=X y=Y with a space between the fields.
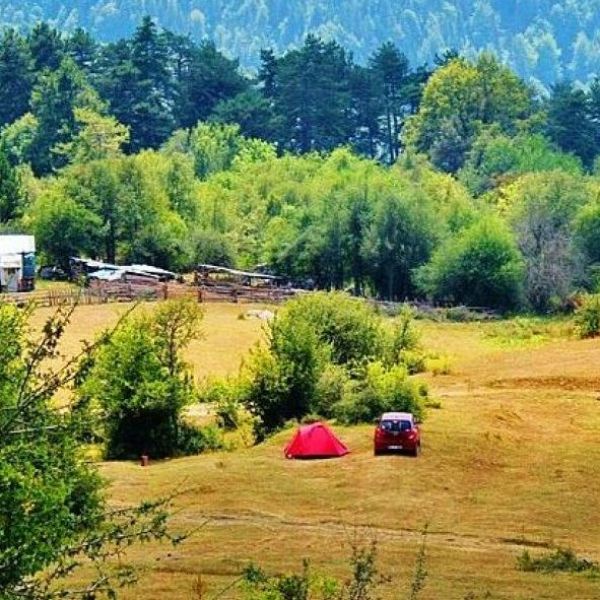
x=129 y=292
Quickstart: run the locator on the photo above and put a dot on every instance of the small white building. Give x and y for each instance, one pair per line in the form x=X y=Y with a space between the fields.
x=17 y=263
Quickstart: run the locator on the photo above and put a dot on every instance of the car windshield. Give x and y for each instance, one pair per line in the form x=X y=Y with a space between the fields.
x=395 y=425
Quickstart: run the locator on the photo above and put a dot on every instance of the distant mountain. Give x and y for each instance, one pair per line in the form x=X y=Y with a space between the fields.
x=547 y=40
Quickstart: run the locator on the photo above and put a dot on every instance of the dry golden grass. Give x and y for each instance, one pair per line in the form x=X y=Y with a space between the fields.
x=225 y=338
x=511 y=461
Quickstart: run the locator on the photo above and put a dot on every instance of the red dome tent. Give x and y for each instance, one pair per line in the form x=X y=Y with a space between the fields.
x=315 y=441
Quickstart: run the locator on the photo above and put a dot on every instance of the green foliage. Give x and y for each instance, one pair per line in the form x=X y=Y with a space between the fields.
x=53 y=102
x=560 y=560
x=141 y=383
x=586 y=226
x=587 y=317
x=196 y=440
x=362 y=583
x=283 y=380
x=348 y=326
x=404 y=336
x=213 y=248
x=544 y=44
x=482 y=267
x=11 y=191
x=458 y=99
x=325 y=356
x=496 y=157
x=542 y=208
x=379 y=389
x=53 y=513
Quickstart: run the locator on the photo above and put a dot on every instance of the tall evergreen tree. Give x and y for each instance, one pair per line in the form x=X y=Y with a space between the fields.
x=47 y=47
x=16 y=77
x=570 y=123
x=391 y=70
x=152 y=110
x=53 y=102
x=311 y=93
x=207 y=79
x=10 y=189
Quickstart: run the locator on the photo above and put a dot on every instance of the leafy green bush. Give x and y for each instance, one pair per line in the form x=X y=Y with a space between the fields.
x=141 y=383
x=196 y=440
x=403 y=339
x=482 y=267
x=283 y=379
x=362 y=584
x=381 y=389
x=350 y=326
x=587 y=317
x=561 y=559
x=332 y=355
x=224 y=396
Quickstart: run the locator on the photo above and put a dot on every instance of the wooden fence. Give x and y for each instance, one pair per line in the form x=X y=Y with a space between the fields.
x=108 y=292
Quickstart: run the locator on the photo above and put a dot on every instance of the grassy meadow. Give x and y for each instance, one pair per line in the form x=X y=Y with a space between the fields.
x=511 y=461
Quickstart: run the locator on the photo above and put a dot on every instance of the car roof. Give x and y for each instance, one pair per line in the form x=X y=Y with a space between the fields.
x=397 y=416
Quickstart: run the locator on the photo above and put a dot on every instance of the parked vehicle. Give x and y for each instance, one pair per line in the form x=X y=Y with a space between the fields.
x=397 y=432
x=52 y=273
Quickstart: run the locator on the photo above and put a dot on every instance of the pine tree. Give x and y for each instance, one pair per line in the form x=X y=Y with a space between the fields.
x=16 y=77
x=46 y=47
x=10 y=189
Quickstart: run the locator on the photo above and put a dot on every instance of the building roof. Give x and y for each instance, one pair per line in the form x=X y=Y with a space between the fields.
x=236 y=273
x=17 y=244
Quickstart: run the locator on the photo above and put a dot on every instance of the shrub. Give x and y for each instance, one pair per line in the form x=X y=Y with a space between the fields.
x=350 y=326
x=587 y=317
x=140 y=382
x=381 y=389
x=330 y=389
x=224 y=395
x=561 y=559
x=284 y=379
x=482 y=267
x=330 y=355
x=362 y=584
x=403 y=337
x=196 y=440
x=441 y=365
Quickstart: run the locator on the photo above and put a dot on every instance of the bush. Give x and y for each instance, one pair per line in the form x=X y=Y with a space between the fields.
x=350 y=326
x=213 y=248
x=196 y=440
x=587 y=317
x=362 y=584
x=224 y=395
x=330 y=389
x=403 y=338
x=561 y=559
x=284 y=379
x=482 y=267
x=140 y=382
x=381 y=389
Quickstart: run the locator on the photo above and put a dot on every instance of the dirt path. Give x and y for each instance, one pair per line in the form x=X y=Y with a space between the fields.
x=449 y=539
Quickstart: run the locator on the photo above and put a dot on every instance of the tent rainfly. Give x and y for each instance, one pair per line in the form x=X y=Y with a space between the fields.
x=315 y=441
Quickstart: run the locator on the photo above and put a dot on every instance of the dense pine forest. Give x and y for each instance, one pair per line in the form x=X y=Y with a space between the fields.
x=542 y=40
x=458 y=183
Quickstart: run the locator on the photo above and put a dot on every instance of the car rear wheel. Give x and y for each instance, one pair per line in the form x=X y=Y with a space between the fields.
x=417 y=450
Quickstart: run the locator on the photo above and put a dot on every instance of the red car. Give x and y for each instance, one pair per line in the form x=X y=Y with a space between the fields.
x=397 y=431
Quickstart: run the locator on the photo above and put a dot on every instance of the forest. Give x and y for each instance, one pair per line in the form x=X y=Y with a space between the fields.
x=458 y=184
x=544 y=41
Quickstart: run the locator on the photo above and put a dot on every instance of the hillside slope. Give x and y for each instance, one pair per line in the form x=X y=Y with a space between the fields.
x=542 y=39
